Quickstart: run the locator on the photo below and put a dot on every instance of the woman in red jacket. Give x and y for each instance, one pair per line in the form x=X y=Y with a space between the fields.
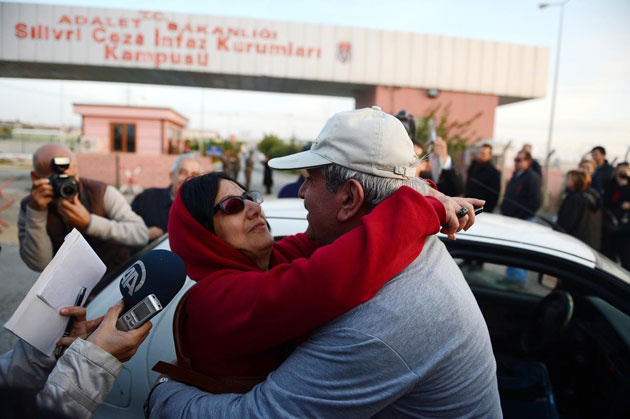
x=255 y=300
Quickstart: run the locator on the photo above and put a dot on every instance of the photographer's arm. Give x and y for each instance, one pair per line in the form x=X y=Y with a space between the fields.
x=36 y=249
x=123 y=226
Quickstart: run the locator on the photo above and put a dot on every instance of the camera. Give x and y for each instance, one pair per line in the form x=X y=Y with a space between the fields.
x=408 y=122
x=63 y=185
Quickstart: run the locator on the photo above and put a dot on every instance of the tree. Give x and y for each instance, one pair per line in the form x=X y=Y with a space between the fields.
x=458 y=135
x=268 y=143
x=6 y=132
x=272 y=146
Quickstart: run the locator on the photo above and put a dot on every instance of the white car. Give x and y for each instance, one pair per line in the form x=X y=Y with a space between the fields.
x=562 y=342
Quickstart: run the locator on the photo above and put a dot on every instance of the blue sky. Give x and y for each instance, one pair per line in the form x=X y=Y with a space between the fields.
x=593 y=91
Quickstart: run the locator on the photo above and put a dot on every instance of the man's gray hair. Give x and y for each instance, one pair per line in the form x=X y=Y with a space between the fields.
x=178 y=161
x=375 y=188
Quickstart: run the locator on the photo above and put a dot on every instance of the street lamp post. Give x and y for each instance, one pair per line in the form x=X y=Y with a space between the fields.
x=553 y=93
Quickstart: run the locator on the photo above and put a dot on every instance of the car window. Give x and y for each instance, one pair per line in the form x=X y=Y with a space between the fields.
x=493 y=276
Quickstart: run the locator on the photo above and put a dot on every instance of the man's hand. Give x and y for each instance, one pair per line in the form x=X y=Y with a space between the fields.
x=155 y=232
x=73 y=212
x=41 y=194
x=81 y=327
x=452 y=207
x=122 y=345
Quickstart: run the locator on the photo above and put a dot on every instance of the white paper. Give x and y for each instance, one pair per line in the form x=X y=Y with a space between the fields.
x=76 y=265
x=37 y=319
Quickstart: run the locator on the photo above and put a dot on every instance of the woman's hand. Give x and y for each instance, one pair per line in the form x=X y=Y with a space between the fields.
x=452 y=207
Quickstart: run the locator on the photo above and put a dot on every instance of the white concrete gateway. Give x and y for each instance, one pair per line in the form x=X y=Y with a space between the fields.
x=82 y=36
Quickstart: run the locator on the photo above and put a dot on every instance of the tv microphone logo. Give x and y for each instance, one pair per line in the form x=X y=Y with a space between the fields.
x=133 y=278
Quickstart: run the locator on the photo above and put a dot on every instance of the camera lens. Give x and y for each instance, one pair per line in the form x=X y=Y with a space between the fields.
x=67 y=191
x=64 y=186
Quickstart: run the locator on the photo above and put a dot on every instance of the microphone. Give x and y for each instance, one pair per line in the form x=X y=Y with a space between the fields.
x=159 y=272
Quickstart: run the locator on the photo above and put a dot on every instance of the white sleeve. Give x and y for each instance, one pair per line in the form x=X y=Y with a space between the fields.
x=122 y=225
x=81 y=380
x=25 y=367
x=448 y=164
x=36 y=249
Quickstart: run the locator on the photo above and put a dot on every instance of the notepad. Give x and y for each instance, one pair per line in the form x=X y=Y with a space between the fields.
x=37 y=319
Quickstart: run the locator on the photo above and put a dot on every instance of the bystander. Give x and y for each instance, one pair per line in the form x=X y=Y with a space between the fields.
x=580 y=213
x=603 y=171
x=484 y=180
x=616 y=235
x=154 y=204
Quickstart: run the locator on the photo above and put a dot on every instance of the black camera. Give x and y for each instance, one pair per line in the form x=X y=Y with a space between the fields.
x=63 y=185
x=408 y=122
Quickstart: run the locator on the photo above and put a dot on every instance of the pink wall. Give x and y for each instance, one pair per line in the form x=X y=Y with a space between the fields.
x=463 y=105
x=153 y=170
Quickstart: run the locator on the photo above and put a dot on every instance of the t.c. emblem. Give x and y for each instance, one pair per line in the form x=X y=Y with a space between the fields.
x=344 y=51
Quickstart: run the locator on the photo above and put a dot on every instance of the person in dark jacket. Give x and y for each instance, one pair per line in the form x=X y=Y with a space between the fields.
x=154 y=204
x=267 y=176
x=522 y=195
x=580 y=213
x=616 y=237
x=536 y=167
x=604 y=171
x=484 y=180
x=521 y=200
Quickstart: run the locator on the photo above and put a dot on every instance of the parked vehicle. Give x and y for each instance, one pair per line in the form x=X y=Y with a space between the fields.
x=562 y=342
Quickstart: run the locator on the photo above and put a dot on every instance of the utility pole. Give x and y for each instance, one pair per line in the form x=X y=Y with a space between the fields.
x=553 y=95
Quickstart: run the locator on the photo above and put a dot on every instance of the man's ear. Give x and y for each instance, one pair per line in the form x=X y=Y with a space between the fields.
x=34 y=176
x=351 y=198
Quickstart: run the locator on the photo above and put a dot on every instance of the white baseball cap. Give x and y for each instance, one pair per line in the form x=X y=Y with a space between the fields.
x=366 y=140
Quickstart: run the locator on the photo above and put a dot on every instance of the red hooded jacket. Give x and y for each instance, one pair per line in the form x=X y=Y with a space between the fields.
x=243 y=321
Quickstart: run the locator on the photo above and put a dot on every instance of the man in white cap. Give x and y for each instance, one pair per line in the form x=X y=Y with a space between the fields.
x=419 y=348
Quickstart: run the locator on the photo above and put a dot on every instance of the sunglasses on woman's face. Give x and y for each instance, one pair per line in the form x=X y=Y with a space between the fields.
x=235 y=204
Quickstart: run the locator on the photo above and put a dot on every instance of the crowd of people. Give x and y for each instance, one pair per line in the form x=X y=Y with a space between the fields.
x=315 y=308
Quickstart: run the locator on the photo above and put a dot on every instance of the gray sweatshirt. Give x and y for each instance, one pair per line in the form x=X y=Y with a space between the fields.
x=420 y=348
x=121 y=225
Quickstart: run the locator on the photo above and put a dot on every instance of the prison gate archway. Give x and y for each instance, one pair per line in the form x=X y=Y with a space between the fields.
x=394 y=70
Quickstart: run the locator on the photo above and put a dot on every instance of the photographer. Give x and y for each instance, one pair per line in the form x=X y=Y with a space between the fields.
x=60 y=200
x=440 y=169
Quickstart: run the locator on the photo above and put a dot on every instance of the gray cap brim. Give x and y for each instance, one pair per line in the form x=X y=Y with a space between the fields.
x=303 y=160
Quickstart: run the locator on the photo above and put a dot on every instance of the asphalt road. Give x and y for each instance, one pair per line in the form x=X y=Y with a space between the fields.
x=16 y=279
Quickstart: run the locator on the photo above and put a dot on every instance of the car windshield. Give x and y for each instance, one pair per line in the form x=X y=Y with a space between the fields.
x=612 y=268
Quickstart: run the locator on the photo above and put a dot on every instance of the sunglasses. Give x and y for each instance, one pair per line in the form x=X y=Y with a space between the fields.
x=518 y=160
x=235 y=204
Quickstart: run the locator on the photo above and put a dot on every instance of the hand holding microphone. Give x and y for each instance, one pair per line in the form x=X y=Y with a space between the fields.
x=157 y=277
x=122 y=345
x=149 y=285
